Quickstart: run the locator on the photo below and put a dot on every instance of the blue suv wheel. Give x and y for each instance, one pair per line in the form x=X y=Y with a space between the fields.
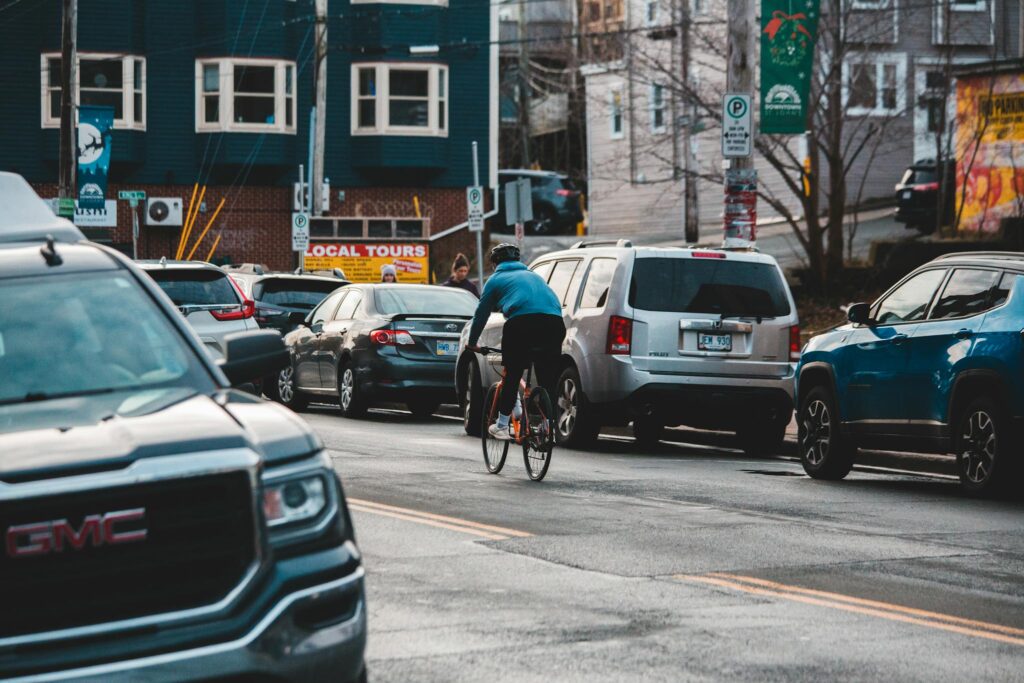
x=824 y=452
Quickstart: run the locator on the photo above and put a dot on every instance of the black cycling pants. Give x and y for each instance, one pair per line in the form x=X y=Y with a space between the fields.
x=535 y=338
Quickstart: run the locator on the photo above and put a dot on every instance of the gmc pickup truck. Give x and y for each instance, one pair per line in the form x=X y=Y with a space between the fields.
x=157 y=524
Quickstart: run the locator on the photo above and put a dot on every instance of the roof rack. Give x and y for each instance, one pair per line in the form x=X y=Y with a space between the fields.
x=1007 y=255
x=583 y=244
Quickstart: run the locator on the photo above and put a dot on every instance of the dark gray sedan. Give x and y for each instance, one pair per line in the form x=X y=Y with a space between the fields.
x=380 y=343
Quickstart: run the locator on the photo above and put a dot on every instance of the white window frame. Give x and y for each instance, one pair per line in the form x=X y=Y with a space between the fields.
x=620 y=133
x=650 y=20
x=226 y=105
x=976 y=6
x=870 y=4
x=435 y=3
x=879 y=60
x=654 y=109
x=437 y=74
x=129 y=88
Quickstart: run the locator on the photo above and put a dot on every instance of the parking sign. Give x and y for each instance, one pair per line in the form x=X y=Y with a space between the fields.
x=475 y=208
x=737 y=125
x=300 y=232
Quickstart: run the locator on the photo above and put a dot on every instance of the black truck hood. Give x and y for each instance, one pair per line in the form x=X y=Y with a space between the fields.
x=72 y=435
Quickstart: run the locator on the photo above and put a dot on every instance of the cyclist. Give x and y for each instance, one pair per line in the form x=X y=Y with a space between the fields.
x=533 y=329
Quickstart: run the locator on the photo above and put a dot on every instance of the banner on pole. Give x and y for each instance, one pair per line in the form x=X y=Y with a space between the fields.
x=94 y=126
x=789 y=29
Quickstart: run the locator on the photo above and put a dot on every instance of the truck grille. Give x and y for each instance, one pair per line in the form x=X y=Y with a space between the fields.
x=199 y=542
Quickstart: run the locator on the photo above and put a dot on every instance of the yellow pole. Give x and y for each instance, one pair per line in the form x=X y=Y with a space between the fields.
x=192 y=222
x=181 y=238
x=416 y=206
x=214 y=247
x=205 y=230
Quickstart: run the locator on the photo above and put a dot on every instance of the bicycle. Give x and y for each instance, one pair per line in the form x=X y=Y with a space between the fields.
x=533 y=429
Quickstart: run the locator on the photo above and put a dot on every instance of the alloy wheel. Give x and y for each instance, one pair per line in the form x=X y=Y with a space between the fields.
x=346 y=389
x=285 y=385
x=817 y=432
x=978 y=447
x=467 y=412
x=568 y=404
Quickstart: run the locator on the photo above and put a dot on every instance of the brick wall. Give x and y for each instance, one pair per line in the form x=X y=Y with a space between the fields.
x=255 y=221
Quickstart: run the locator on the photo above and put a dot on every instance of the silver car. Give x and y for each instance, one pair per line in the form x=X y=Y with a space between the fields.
x=208 y=298
x=707 y=338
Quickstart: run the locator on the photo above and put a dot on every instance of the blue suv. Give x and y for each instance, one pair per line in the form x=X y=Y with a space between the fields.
x=934 y=365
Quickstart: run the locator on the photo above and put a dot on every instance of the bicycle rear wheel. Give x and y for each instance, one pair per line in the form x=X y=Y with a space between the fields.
x=495 y=450
x=539 y=436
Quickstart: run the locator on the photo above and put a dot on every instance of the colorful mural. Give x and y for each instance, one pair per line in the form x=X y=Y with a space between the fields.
x=989 y=150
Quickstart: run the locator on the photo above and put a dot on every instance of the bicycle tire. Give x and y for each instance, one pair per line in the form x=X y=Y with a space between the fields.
x=539 y=437
x=495 y=450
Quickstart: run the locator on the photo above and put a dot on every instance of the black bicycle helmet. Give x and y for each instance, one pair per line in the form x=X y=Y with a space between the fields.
x=504 y=252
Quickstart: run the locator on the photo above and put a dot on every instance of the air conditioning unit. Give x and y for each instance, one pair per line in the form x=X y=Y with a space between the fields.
x=164 y=211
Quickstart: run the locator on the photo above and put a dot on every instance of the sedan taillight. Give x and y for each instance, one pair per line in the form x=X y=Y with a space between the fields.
x=392 y=338
x=620 y=336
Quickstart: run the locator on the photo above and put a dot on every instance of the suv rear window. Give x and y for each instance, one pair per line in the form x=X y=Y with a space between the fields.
x=195 y=287
x=293 y=293
x=919 y=176
x=719 y=286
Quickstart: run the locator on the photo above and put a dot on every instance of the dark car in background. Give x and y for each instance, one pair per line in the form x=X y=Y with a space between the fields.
x=556 y=201
x=917 y=195
x=283 y=300
x=379 y=343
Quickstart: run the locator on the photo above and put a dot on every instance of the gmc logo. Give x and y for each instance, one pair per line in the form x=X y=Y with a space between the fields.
x=42 y=538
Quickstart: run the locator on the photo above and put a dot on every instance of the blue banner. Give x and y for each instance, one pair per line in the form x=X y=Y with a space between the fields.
x=94 y=127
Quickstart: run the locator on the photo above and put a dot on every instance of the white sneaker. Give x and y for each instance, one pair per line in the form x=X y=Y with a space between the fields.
x=500 y=433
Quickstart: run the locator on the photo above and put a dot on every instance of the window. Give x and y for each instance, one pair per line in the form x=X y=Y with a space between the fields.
x=196 y=287
x=561 y=277
x=326 y=310
x=1002 y=291
x=657 y=108
x=117 y=81
x=909 y=302
x=400 y=99
x=439 y=3
x=245 y=95
x=718 y=286
x=967 y=5
x=615 y=112
x=875 y=85
x=348 y=307
x=968 y=292
x=870 y=4
x=599 y=280
x=544 y=269
x=651 y=12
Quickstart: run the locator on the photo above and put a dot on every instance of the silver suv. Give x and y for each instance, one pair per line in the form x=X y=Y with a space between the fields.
x=209 y=299
x=662 y=336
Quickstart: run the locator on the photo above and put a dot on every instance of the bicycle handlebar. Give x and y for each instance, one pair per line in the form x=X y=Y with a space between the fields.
x=484 y=350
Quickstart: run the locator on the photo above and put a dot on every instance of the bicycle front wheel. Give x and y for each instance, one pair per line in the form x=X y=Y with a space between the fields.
x=539 y=433
x=495 y=450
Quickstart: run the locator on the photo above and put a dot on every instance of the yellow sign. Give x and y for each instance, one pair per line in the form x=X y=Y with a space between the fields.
x=365 y=261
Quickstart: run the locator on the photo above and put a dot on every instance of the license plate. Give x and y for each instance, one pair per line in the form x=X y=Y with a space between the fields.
x=907 y=194
x=447 y=348
x=714 y=342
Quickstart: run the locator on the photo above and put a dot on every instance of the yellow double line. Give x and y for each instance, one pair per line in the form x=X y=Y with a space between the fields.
x=848 y=603
x=488 y=531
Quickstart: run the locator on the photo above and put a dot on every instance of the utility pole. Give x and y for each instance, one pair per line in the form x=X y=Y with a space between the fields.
x=320 y=88
x=68 y=157
x=479 y=235
x=740 y=177
x=692 y=224
x=524 y=85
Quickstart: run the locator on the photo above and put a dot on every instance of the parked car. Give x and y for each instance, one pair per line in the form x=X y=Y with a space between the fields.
x=210 y=300
x=917 y=195
x=283 y=300
x=367 y=344
x=934 y=365
x=157 y=525
x=556 y=202
x=700 y=337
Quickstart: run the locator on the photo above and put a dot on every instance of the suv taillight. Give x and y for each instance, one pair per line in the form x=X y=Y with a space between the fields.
x=620 y=335
x=563 y=192
x=927 y=187
x=794 y=343
x=392 y=338
x=243 y=312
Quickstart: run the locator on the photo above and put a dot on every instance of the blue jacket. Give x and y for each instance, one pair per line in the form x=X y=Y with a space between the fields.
x=514 y=290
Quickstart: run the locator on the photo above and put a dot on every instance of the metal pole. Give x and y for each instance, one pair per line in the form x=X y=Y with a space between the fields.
x=479 y=235
x=320 y=86
x=692 y=224
x=309 y=194
x=740 y=79
x=135 y=231
x=302 y=206
x=68 y=155
x=524 y=84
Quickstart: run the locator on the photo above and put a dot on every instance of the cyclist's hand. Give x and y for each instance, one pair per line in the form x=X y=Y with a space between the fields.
x=475 y=348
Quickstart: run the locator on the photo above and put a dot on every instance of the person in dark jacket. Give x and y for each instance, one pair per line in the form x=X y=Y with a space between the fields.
x=460 y=276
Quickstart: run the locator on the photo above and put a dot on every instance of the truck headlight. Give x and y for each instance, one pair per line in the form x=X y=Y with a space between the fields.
x=296 y=500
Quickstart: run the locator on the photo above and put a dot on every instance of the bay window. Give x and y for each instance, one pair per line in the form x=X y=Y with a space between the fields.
x=400 y=99
x=245 y=95
x=105 y=80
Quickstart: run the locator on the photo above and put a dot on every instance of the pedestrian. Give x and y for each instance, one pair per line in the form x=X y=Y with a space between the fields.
x=388 y=273
x=460 y=276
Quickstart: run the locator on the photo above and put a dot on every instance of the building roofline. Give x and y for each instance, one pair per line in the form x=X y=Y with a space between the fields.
x=990 y=68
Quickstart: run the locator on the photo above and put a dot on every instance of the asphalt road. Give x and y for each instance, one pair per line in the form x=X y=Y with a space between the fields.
x=690 y=563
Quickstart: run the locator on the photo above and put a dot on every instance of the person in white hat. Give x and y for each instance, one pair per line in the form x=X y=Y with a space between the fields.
x=388 y=273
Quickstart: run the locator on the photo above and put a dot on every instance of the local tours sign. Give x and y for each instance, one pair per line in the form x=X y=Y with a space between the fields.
x=789 y=29
x=364 y=261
